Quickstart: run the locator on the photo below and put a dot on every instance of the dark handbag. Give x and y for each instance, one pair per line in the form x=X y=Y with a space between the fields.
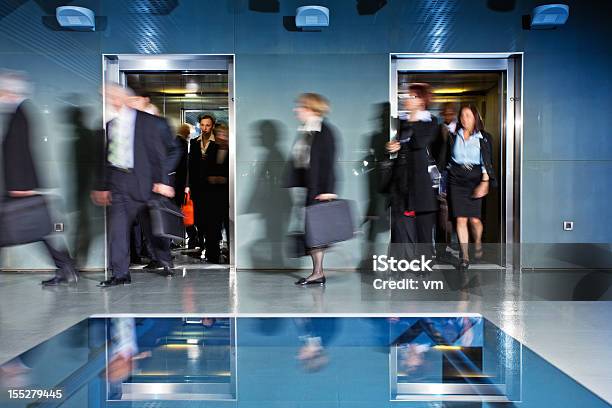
x=328 y=222
x=166 y=219
x=24 y=220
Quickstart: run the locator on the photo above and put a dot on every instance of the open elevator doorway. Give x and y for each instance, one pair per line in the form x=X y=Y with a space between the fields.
x=491 y=83
x=184 y=89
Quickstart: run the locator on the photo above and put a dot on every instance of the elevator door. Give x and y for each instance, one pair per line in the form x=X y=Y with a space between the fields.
x=183 y=88
x=490 y=84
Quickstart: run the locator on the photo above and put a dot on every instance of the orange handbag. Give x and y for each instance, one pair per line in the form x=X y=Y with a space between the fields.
x=187 y=209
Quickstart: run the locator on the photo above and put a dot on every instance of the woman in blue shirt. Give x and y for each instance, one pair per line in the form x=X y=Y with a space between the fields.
x=470 y=172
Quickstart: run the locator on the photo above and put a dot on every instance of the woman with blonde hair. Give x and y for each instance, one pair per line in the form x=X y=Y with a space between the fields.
x=312 y=165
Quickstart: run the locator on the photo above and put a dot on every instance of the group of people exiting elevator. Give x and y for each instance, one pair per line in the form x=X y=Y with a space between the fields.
x=142 y=152
x=141 y=160
x=433 y=173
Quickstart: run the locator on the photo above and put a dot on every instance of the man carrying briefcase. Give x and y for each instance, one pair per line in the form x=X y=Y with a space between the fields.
x=134 y=171
x=24 y=215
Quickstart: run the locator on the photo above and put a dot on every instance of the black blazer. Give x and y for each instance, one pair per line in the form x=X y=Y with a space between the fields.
x=19 y=170
x=320 y=177
x=152 y=165
x=486 y=150
x=199 y=167
x=180 y=172
x=411 y=188
x=214 y=168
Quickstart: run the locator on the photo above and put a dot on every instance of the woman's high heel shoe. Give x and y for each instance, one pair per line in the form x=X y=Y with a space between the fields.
x=463 y=265
x=305 y=281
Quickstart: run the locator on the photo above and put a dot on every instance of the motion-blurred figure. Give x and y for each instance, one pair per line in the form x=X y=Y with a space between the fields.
x=20 y=177
x=413 y=199
x=87 y=149
x=180 y=178
x=444 y=226
x=135 y=169
x=313 y=166
x=159 y=248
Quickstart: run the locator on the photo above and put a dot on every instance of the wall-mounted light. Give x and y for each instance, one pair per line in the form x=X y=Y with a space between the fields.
x=76 y=18
x=549 y=16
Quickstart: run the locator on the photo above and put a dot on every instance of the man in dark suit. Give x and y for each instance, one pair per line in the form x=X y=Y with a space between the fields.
x=135 y=169
x=159 y=248
x=20 y=178
x=198 y=173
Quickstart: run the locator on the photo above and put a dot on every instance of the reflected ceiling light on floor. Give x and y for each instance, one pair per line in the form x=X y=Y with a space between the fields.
x=191 y=95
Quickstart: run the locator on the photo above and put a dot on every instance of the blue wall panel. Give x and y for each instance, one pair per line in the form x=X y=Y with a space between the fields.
x=566 y=90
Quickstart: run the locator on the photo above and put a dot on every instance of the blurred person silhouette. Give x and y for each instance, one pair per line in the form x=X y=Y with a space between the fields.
x=87 y=149
x=134 y=171
x=312 y=165
x=220 y=176
x=412 y=195
x=20 y=176
x=315 y=335
x=180 y=175
x=469 y=157
x=198 y=174
x=275 y=218
x=159 y=248
x=444 y=226
x=376 y=218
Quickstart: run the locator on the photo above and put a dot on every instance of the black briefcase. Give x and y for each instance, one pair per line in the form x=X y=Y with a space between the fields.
x=166 y=219
x=328 y=222
x=24 y=220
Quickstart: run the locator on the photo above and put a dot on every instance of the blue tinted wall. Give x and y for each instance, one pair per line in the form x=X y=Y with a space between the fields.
x=566 y=152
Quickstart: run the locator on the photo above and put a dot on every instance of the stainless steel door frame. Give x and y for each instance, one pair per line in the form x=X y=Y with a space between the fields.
x=114 y=67
x=512 y=65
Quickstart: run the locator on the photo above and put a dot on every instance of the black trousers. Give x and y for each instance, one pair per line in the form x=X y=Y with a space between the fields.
x=412 y=237
x=59 y=252
x=123 y=212
x=215 y=208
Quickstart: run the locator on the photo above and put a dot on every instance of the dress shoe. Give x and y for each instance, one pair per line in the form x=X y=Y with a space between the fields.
x=168 y=272
x=463 y=265
x=55 y=281
x=305 y=281
x=115 y=282
x=68 y=275
x=136 y=260
x=154 y=265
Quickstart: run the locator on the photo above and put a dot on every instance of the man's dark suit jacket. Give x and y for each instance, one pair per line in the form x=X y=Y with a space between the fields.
x=152 y=162
x=19 y=170
x=200 y=167
x=214 y=168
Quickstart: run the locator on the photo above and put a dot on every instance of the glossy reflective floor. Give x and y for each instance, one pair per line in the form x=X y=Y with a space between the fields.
x=413 y=360
x=554 y=313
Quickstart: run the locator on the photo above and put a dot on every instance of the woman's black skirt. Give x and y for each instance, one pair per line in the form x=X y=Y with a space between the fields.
x=461 y=185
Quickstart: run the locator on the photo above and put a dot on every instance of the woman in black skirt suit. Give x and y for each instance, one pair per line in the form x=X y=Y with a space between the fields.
x=413 y=199
x=312 y=165
x=470 y=173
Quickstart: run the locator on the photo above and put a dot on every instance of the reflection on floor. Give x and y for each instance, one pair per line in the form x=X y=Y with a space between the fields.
x=412 y=360
x=537 y=308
